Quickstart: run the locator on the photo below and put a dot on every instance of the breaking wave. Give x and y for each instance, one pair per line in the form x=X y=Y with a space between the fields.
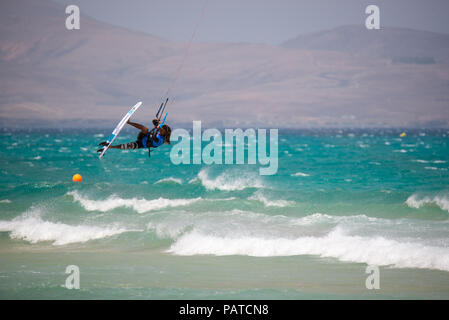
x=32 y=228
x=300 y=174
x=138 y=205
x=415 y=201
x=169 y=180
x=336 y=244
x=270 y=203
x=229 y=182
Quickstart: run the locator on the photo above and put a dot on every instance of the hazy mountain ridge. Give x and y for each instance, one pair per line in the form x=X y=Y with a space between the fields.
x=392 y=43
x=48 y=73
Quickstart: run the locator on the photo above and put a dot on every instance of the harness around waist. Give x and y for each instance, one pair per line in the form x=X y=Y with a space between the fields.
x=152 y=139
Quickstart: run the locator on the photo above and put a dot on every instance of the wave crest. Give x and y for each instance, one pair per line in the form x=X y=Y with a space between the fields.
x=371 y=250
x=270 y=203
x=415 y=201
x=138 y=205
x=300 y=174
x=169 y=180
x=229 y=182
x=32 y=228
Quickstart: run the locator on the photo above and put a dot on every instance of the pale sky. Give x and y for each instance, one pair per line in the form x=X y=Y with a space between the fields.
x=260 y=21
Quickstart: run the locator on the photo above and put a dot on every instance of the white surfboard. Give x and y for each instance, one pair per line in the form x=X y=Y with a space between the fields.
x=119 y=127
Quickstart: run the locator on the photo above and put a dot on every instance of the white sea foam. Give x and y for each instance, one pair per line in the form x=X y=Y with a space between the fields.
x=429 y=161
x=336 y=244
x=415 y=201
x=169 y=180
x=170 y=230
x=228 y=181
x=5 y=201
x=32 y=228
x=270 y=203
x=239 y=222
x=359 y=238
x=421 y=161
x=139 y=205
x=220 y=199
x=300 y=174
x=128 y=169
x=320 y=218
x=194 y=180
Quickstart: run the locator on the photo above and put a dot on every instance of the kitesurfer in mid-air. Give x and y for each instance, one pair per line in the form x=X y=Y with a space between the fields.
x=146 y=138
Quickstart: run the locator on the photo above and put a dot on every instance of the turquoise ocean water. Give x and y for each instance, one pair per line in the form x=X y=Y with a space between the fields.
x=147 y=229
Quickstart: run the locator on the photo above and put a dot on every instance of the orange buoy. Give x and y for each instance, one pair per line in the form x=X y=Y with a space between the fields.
x=77 y=178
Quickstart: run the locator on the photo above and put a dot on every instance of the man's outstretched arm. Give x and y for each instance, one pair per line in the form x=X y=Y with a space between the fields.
x=138 y=126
